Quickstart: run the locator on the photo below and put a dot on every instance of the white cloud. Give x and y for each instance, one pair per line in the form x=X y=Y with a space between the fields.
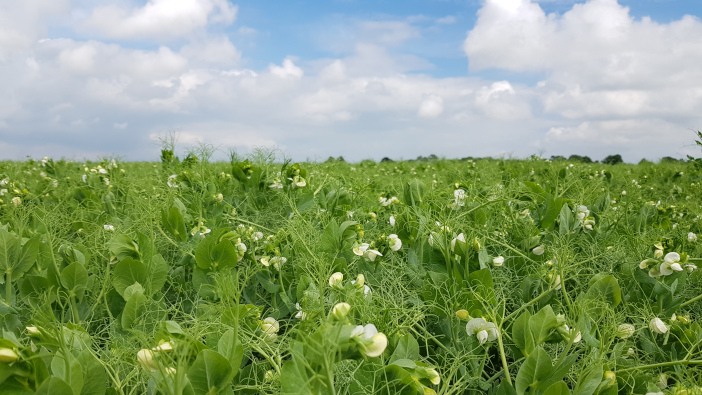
x=447 y=20
x=431 y=107
x=159 y=19
x=287 y=70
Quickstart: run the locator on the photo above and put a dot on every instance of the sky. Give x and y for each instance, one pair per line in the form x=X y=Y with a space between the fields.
x=362 y=79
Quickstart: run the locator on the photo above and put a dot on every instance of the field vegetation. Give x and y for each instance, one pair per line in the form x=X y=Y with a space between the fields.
x=263 y=276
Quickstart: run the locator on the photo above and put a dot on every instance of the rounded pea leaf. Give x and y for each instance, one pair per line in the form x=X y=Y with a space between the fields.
x=75 y=278
x=209 y=373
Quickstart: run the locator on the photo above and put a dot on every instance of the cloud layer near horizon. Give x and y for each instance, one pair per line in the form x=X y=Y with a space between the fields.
x=591 y=81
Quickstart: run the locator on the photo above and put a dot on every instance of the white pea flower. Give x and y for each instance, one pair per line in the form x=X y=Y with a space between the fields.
x=394 y=242
x=360 y=249
x=588 y=224
x=17 y=201
x=459 y=196
x=690 y=268
x=372 y=254
x=102 y=171
x=257 y=236
x=483 y=330
x=146 y=360
x=108 y=228
x=582 y=212
x=301 y=315
x=336 y=279
x=270 y=327
x=658 y=326
x=691 y=237
x=539 y=250
x=460 y=237
x=172 y=181
x=670 y=264
x=498 y=261
x=84 y=178
x=164 y=346
x=372 y=343
x=392 y=221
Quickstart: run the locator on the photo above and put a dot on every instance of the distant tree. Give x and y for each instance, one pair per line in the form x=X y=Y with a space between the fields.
x=330 y=160
x=613 y=159
x=386 y=159
x=670 y=159
x=341 y=159
x=581 y=159
x=645 y=161
x=555 y=158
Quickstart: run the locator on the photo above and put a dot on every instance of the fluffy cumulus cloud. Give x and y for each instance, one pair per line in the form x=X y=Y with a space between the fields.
x=609 y=84
x=159 y=19
x=610 y=78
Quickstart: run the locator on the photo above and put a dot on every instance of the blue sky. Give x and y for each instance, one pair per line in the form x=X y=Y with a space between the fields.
x=362 y=79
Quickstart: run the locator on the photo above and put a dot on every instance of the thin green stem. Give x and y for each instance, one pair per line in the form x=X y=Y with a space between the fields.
x=662 y=365
x=8 y=287
x=505 y=366
x=691 y=301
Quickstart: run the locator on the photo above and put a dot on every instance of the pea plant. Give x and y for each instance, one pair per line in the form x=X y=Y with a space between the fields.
x=264 y=276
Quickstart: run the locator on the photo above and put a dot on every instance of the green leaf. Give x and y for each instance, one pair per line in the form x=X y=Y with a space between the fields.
x=174 y=224
x=122 y=246
x=9 y=249
x=127 y=272
x=54 y=386
x=27 y=257
x=542 y=324
x=407 y=348
x=605 y=288
x=588 y=381
x=74 y=278
x=230 y=347
x=294 y=379
x=67 y=368
x=158 y=274
x=209 y=373
x=212 y=255
x=94 y=371
x=535 y=369
x=566 y=221
x=521 y=335
x=558 y=388
x=134 y=307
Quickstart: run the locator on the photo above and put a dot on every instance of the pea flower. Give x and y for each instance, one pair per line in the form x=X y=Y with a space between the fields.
x=336 y=279
x=146 y=360
x=164 y=346
x=483 y=330
x=372 y=254
x=360 y=249
x=301 y=315
x=658 y=326
x=461 y=237
x=8 y=355
x=240 y=249
x=670 y=264
x=460 y=197
x=539 y=250
x=394 y=242
x=371 y=342
x=33 y=331
x=109 y=228
x=270 y=327
x=498 y=261
x=691 y=237
x=582 y=212
x=392 y=221
x=17 y=201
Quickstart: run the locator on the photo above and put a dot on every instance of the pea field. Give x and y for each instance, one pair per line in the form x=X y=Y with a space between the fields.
x=258 y=275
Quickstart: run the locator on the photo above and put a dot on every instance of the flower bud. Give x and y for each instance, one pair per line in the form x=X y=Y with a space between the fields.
x=33 y=331
x=336 y=279
x=434 y=376
x=164 y=346
x=462 y=314
x=360 y=281
x=341 y=310
x=625 y=331
x=8 y=355
x=146 y=359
